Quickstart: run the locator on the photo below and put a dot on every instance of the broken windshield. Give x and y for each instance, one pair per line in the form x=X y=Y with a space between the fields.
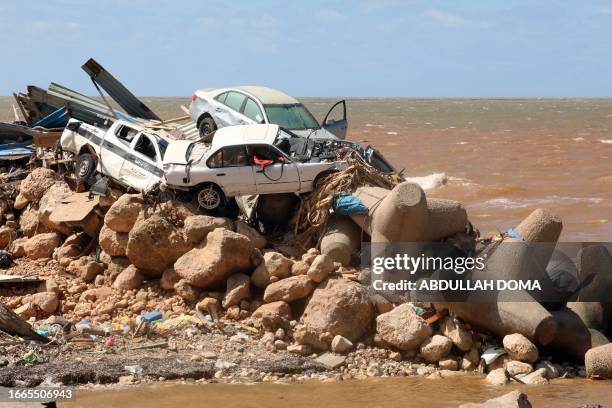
x=292 y=117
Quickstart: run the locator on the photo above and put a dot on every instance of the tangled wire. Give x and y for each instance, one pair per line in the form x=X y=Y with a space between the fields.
x=310 y=219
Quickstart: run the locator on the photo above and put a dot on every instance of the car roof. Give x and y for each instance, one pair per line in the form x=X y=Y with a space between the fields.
x=244 y=134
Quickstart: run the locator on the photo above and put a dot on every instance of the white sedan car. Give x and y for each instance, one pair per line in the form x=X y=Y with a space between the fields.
x=212 y=109
x=241 y=160
x=250 y=159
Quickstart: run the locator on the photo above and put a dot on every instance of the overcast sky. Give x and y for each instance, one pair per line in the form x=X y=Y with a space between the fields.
x=478 y=48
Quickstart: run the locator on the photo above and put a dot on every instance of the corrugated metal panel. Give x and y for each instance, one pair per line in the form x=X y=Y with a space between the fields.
x=189 y=131
x=117 y=91
x=13 y=131
x=57 y=119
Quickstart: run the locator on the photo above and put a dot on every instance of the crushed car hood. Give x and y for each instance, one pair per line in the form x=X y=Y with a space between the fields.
x=176 y=153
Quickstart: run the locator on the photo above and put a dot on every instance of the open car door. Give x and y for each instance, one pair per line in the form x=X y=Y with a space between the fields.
x=335 y=121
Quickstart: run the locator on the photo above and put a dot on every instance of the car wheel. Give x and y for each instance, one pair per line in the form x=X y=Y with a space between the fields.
x=207 y=129
x=209 y=197
x=85 y=166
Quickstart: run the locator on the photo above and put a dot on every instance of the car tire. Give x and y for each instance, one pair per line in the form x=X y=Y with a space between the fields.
x=84 y=167
x=207 y=128
x=209 y=197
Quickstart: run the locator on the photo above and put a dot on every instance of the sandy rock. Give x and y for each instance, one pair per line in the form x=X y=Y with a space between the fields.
x=49 y=201
x=403 y=328
x=48 y=285
x=497 y=377
x=67 y=253
x=129 y=278
x=288 y=290
x=341 y=344
x=96 y=294
x=320 y=268
x=224 y=254
x=598 y=361
x=514 y=399
x=520 y=348
x=7 y=235
x=17 y=247
x=42 y=245
x=382 y=304
x=518 y=367
x=28 y=222
x=535 y=378
x=271 y=310
x=168 y=279
x=20 y=202
x=238 y=289
x=34 y=186
x=155 y=244
x=186 y=291
x=197 y=227
x=448 y=364
x=299 y=268
x=122 y=215
x=113 y=243
x=26 y=311
x=210 y=305
x=258 y=240
x=302 y=349
x=455 y=331
x=85 y=268
x=435 y=348
x=337 y=307
x=274 y=265
x=310 y=255
x=47 y=302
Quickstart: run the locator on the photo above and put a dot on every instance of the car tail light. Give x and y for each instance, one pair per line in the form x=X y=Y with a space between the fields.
x=193 y=97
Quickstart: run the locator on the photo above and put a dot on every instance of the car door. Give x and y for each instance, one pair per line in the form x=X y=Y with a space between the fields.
x=335 y=121
x=115 y=148
x=220 y=112
x=274 y=172
x=231 y=169
x=235 y=101
x=142 y=167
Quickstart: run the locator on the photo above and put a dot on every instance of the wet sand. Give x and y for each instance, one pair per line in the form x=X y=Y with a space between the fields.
x=383 y=392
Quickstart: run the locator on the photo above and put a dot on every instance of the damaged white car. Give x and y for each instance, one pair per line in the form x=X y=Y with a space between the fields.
x=241 y=160
x=213 y=109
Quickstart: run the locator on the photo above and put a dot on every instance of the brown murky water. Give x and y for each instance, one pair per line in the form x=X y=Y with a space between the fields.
x=501 y=158
x=383 y=392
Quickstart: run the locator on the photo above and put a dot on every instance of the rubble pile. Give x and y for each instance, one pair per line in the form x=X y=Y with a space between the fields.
x=148 y=264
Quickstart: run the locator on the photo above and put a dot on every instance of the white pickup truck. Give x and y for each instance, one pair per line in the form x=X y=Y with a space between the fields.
x=241 y=160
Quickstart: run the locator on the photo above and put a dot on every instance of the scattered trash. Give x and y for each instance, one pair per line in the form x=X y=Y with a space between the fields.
x=346 y=204
x=491 y=354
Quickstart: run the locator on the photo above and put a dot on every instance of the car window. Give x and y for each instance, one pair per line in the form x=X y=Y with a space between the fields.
x=252 y=111
x=292 y=117
x=234 y=100
x=125 y=134
x=231 y=156
x=221 y=97
x=145 y=146
x=264 y=152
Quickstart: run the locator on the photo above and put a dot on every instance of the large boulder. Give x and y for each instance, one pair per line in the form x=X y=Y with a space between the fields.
x=598 y=361
x=17 y=247
x=129 y=278
x=274 y=264
x=520 y=348
x=112 y=242
x=273 y=310
x=154 y=244
x=37 y=183
x=42 y=245
x=238 y=289
x=48 y=202
x=337 y=307
x=197 y=227
x=402 y=328
x=85 y=268
x=258 y=240
x=122 y=215
x=435 y=348
x=288 y=290
x=211 y=263
x=28 y=222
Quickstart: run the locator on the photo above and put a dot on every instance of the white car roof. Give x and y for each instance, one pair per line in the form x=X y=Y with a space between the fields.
x=265 y=95
x=244 y=134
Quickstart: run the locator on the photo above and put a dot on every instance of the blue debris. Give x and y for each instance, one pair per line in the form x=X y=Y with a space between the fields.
x=55 y=120
x=152 y=316
x=513 y=234
x=347 y=204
